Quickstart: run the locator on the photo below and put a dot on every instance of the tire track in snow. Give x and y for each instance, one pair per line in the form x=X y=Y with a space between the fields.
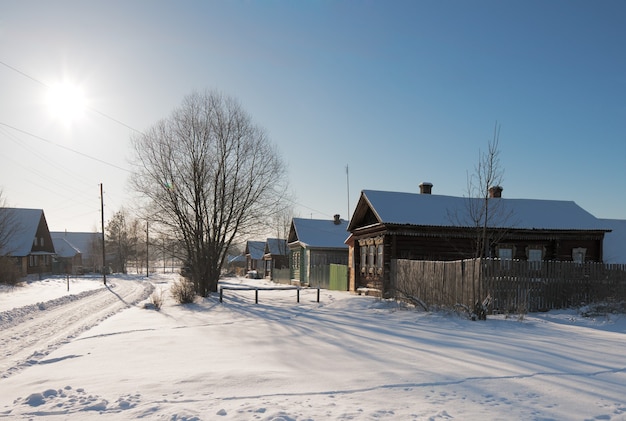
x=36 y=330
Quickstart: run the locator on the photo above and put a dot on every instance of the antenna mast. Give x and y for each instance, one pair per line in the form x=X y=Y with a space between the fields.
x=348 y=184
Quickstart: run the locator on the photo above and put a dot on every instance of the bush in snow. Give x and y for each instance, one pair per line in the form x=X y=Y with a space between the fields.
x=183 y=291
x=9 y=272
x=156 y=299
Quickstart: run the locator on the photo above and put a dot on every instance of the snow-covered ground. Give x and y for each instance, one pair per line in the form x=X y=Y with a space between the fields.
x=345 y=358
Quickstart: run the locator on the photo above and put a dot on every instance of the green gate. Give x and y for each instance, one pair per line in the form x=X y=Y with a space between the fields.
x=338 y=277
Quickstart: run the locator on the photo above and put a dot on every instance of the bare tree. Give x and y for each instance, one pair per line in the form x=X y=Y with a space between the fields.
x=9 y=272
x=122 y=231
x=7 y=225
x=281 y=222
x=209 y=174
x=488 y=216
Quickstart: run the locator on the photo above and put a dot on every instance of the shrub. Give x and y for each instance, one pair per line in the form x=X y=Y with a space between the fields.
x=156 y=299
x=9 y=272
x=183 y=291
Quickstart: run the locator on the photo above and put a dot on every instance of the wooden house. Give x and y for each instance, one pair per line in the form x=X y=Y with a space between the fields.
x=89 y=244
x=391 y=225
x=254 y=258
x=276 y=256
x=314 y=246
x=236 y=264
x=26 y=240
x=67 y=259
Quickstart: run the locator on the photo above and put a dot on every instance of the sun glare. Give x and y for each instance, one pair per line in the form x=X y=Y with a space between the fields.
x=66 y=102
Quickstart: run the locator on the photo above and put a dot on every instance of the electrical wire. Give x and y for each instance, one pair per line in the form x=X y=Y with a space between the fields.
x=102 y=114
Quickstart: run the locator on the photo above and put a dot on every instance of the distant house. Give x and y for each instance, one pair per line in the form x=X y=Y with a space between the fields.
x=27 y=240
x=392 y=225
x=314 y=246
x=254 y=257
x=276 y=256
x=615 y=241
x=88 y=244
x=236 y=264
x=67 y=259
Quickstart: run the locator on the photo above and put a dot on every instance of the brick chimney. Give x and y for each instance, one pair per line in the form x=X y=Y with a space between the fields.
x=495 y=192
x=426 y=187
x=337 y=220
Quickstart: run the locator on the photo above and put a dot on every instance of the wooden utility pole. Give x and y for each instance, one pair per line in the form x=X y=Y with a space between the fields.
x=104 y=271
x=147 y=254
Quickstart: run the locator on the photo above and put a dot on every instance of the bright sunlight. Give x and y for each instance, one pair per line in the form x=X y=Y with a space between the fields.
x=66 y=101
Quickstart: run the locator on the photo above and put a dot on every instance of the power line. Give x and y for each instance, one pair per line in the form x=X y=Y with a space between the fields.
x=65 y=147
x=100 y=113
x=23 y=74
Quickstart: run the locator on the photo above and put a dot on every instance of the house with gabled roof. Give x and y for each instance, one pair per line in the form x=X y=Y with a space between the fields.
x=317 y=247
x=67 y=259
x=393 y=225
x=275 y=256
x=28 y=242
x=88 y=244
x=254 y=257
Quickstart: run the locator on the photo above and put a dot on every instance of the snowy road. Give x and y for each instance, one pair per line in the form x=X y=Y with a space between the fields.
x=28 y=334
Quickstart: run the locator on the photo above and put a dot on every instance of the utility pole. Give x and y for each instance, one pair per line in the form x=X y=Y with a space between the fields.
x=104 y=271
x=147 y=255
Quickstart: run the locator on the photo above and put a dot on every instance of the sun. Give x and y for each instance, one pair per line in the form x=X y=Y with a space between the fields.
x=66 y=101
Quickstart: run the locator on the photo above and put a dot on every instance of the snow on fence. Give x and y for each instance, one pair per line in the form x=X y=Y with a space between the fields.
x=513 y=286
x=257 y=289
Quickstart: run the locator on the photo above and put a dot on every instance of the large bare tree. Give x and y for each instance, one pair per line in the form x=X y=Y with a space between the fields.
x=209 y=174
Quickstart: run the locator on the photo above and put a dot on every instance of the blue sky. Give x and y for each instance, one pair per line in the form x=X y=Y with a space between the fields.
x=400 y=91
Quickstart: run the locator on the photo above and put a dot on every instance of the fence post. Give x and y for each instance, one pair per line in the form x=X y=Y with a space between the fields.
x=256 y=296
x=318 y=294
x=298 y=295
x=221 y=294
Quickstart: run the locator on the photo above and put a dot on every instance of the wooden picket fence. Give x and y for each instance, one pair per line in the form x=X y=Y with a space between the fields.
x=512 y=286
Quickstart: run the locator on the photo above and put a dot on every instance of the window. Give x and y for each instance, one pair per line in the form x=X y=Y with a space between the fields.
x=505 y=254
x=363 y=258
x=379 y=257
x=295 y=262
x=578 y=254
x=371 y=258
x=535 y=256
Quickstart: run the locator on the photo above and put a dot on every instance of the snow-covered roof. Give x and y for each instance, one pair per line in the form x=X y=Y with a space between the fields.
x=64 y=248
x=439 y=210
x=276 y=247
x=82 y=241
x=22 y=225
x=240 y=258
x=320 y=233
x=255 y=249
x=614 y=247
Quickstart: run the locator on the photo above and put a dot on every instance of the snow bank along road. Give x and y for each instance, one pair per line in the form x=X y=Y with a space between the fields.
x=28 y=334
